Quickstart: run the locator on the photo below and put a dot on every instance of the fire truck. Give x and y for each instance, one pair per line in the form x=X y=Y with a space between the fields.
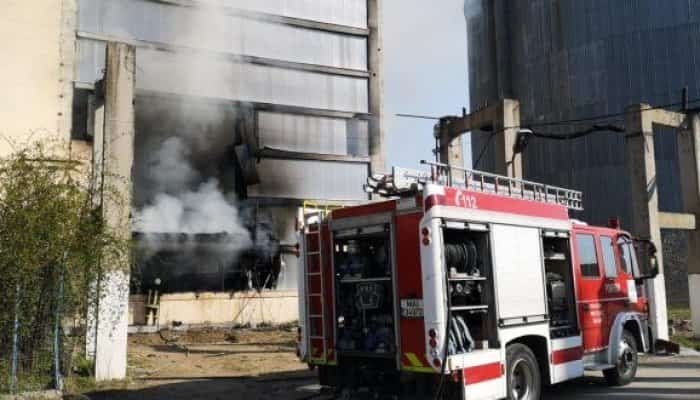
x=468 y=285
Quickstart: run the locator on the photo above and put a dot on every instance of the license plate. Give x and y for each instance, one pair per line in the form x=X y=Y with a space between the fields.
x=412 y=308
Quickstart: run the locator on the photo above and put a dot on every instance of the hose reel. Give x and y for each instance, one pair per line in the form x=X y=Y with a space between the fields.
x=462 y=257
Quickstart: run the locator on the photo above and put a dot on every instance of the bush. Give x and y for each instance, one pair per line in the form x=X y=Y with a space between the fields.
x=53 y=237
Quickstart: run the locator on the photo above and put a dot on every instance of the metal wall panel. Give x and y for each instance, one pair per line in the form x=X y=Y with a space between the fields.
x=156 y=22
x=570 y=59
x=297 y=179
x=161 y=71
x=342 y=12
x=213 y=75
x=302 y=133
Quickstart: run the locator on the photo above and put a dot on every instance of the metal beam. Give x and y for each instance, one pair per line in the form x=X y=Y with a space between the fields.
x=272 y=153
x=296 y=110
x=288 y=201
x=261 y=16
x=668 y=220
x=236 y=58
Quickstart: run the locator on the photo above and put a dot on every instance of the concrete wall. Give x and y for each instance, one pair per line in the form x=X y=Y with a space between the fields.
x=36 y=73
x=220 y=308
x=137 y=309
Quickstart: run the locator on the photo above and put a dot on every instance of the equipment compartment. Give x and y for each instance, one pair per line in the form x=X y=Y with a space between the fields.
x=469 y=280
x=560 y=284
x=365 y=320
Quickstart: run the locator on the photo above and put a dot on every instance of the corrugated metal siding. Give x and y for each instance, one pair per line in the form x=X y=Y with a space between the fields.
x=342 y=12
x=145 y=20
x=161 y=71
x=327 y=180
x=220 y=78
x=308 y=134
x=576 y=59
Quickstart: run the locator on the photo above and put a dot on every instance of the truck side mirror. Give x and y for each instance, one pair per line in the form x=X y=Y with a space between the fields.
x=646 y=265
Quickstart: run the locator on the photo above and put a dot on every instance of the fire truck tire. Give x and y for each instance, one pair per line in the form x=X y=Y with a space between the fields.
x=626 y=364
x=523 y=373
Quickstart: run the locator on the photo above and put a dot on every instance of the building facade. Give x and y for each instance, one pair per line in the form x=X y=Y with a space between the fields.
x=277 y=101
x=570 y=60
x=37 y=74
x=272 y=103
x=245 y=110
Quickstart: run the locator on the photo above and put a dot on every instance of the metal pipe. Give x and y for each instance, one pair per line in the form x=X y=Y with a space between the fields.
x=58 y=378
x=15 y=344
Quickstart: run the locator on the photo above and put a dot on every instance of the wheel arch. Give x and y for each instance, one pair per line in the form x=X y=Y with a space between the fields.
x=540 y=348
x=633 y=323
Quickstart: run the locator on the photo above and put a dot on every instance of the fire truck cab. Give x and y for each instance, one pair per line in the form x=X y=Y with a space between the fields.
x=468 y=285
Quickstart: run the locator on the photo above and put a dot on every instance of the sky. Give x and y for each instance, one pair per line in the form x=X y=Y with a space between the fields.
x=425 y=73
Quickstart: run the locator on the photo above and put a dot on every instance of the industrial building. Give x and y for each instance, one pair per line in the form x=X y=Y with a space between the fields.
x=244 y=111
x=270 y=100
x=571 y=60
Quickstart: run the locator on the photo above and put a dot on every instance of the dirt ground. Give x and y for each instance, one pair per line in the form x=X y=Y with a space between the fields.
x=262 y=364
x=213 y=353
x=214 y=364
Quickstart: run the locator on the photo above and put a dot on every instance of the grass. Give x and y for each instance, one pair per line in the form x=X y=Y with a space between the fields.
x=81 y=379
x=682 y=312
x=84 y=384
x=677 y=312
x=687 y=341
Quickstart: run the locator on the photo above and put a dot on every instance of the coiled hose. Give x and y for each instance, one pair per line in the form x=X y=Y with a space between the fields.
x=461 y=256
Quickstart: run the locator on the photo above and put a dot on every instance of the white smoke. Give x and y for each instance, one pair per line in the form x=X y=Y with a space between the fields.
x=169 y=170
x=203 y=211
x=187 y=197
x=177 y=209
x=187 y=183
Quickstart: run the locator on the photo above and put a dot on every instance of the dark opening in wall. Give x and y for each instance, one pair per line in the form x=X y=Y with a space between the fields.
x=79 y=128
x=194 y=228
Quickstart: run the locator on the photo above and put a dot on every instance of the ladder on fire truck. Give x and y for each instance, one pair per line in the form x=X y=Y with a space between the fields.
x=313 y=216
x=404 y=181
x=314 y=281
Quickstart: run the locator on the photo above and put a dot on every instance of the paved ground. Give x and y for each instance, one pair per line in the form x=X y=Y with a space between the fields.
x=658 y=378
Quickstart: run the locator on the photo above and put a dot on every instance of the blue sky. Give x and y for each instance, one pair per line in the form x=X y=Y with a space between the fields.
x=425 y=72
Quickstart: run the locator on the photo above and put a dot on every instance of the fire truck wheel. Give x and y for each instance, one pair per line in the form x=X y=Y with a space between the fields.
x=626 y=366
x=524 y=379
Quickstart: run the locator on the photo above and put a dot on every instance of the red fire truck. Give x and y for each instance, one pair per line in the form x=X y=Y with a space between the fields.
x=468 y=285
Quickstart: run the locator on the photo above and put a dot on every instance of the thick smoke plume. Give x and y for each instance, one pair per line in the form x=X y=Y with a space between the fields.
x=187 y=179
x=185 y=204
x=177 y=209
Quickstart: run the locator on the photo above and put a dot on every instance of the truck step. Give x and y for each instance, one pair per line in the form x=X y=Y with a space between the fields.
x=598 y=367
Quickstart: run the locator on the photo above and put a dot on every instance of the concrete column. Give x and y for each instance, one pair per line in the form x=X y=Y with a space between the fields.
x=96 y=121
x=694 y=287
x=376 y=88
x=67 y=49
x=450 y=146
x=641 y=165
x=507 y=126
x=689 y=163
x=503 y=119
x=117 y=159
